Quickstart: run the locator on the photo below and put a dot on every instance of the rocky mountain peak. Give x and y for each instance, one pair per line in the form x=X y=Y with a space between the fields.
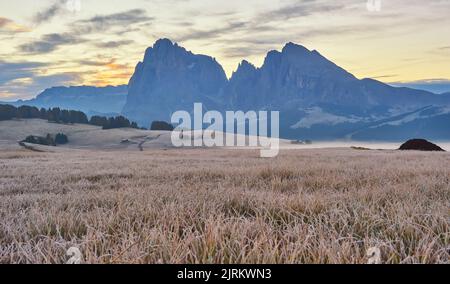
x=295 y=49
x=272 y=56
x=170 y=79
x=164 y=51
x=244 y=68
x=163 y=43
x=246 y=65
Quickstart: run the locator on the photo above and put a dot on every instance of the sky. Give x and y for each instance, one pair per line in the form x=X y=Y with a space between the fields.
x=99 y=42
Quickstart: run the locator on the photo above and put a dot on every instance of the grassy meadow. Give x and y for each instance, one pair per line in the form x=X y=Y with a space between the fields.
x=224 y=206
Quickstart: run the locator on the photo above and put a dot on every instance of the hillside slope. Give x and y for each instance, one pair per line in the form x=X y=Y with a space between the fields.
x=83 y=136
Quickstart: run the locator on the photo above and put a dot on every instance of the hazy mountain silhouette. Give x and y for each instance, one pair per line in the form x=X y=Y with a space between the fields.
x=299 y=77
x=91 y=100
x=171 y=79
x=317 y=99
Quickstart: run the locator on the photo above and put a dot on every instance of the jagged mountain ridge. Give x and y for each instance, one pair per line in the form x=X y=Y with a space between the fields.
x=302 y=77
x=316 y=98
x=169 y=79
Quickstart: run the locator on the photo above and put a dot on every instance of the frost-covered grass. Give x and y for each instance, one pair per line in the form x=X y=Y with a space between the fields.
x=224 y=206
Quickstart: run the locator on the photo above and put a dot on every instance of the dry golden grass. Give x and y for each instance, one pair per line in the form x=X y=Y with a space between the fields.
x=224 y=206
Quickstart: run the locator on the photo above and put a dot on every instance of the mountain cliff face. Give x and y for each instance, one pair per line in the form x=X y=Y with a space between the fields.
x=294 y=75
x=319 y=100
x=316 y=98
x=91 y=100
x=297 y=77
x=171 y=79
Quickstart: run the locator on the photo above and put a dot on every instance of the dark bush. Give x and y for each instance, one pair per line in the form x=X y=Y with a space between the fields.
x=46 y=141
x=420 y=145
x=61 y=139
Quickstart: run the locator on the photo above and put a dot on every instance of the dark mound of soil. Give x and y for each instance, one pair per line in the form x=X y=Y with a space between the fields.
x=420 y=145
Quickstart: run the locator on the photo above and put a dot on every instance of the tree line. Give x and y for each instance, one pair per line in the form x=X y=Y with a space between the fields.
x=57 y=115
x=161 y=125
x=112 y=122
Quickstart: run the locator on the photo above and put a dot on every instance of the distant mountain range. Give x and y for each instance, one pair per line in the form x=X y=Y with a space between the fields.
x=316 y=98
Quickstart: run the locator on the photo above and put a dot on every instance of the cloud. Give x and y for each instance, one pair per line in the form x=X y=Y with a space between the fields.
x=111 y=64
x=253 y=35
x=20 y=80
x=49 y=13
x=102 y=23
x=384 y=76
x=95 y=63
x=17 y=70
x=253 y=43
x=81 y=28
x=264 y=30
x=23 y=80
x=4 y=23
x=113 y=44
x=9 y=26
x=50 y=42
x=299 y=9
x=31 y=87
x=194 y=34
x=26 y=79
